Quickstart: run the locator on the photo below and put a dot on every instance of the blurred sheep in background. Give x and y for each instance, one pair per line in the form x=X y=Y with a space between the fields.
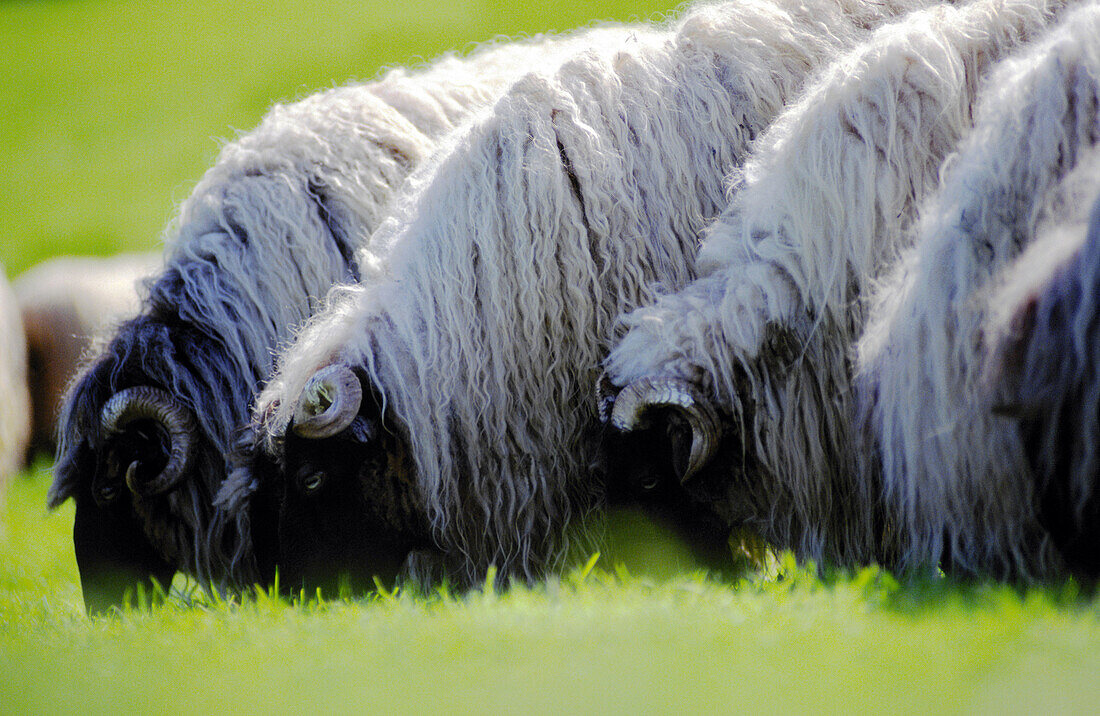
x=64 y=303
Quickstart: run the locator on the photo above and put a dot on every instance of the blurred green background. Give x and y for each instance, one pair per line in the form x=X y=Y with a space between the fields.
x=111 y=111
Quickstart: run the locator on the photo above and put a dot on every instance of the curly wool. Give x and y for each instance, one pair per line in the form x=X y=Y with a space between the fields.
x=828 y=199
x=15 y=411
x=265 y=234
x=512 y=255
x=954 y=472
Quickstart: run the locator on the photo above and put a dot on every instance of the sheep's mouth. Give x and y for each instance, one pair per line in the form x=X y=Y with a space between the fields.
x=114 y=555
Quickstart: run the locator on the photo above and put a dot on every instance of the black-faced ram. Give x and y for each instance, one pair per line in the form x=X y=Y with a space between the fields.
x=464 y=373
x=285 y=213
x=850 y=391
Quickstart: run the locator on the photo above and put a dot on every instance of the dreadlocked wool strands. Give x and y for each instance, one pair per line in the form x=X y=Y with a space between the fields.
x=513 y=254
x=953 y=470
x=823 y=208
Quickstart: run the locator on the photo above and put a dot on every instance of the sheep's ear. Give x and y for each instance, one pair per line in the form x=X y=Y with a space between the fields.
x=78 y=460
x=362 y=430
x=680 y=437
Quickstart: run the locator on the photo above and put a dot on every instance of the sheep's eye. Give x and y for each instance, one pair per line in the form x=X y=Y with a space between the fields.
x=312 y=481
x=108 y=493
x=649 y=483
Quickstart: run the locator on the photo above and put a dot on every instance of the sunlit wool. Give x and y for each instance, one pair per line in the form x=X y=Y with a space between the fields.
x=954 y=472
x=828 y=200
x=514 y=253
x=264 y=235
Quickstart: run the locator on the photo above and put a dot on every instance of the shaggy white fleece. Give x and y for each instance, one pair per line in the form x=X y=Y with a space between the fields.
x=829 y=199
x=953 y=471
x=270 y=228
x=504 y=265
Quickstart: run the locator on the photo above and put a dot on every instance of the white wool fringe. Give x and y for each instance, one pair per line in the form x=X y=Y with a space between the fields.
x=255 y=215
x=511 y=256
x=826 y=203
x=952 y=471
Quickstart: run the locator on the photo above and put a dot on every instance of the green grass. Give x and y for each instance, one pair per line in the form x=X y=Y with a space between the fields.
x=594 y=640
x=109 y=112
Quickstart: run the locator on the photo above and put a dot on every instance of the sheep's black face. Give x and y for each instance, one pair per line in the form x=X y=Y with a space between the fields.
x=348 y=511
x=128 y=530
x=670 y=449
x=113 y=553
x=643 y=469
x=130 y=446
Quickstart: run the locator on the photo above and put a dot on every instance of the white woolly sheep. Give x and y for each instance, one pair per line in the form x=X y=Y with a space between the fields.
x=454 y=386
x=279 y=219
x=954 y=472
x=770 y=331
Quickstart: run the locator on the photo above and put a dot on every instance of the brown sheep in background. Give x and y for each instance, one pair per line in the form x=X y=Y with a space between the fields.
x=64 y=303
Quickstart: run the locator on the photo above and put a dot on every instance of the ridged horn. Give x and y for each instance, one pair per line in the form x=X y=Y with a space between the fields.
x=680 y=395
x=145 y=402
x=329 y=402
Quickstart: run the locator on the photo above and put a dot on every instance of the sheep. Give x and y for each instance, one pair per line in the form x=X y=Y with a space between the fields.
x=954 y=470
x=1041 y=365
x=15 y=412
x=281 y=217
x=64 y=303
x=795 y=345
x=443 y=404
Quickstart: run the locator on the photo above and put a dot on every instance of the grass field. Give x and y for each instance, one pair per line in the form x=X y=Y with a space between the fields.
x=110 y=112
x=601 y=640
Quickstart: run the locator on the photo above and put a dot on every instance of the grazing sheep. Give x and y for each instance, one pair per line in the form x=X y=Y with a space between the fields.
x=285 y=213
x=1043 y=363
x=846 y=470
x=444 y=404
x=954 y=471
x=64 y=303
x=15 y=409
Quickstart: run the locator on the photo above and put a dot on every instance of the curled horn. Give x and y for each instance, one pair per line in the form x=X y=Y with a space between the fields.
x=144 y=402
x=678 y=394
x=329 y=402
